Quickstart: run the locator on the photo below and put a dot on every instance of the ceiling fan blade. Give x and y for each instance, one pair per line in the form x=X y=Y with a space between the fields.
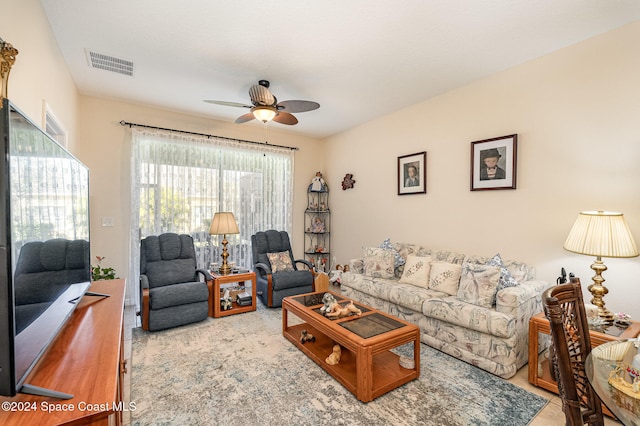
x=244 y=118
x=225 y=103
x=285 y=118
x=297 y=106
x=260 y=95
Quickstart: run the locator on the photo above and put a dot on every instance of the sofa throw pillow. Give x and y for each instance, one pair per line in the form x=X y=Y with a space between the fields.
x=280 y=262
x=416 y=271
x=506 y=279
x=479 y=284
x=445 y=277
x=378 y=263
x=398 y=260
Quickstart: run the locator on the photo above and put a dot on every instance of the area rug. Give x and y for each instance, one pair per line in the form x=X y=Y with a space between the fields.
x=239 y=370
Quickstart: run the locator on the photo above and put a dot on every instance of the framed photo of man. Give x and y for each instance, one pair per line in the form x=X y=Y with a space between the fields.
x=412 y=173
x=493 y=163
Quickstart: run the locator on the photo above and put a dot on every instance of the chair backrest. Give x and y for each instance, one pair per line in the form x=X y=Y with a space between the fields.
x=43 y=267
x=168 y=259
x=564 y=308
x=271 y=241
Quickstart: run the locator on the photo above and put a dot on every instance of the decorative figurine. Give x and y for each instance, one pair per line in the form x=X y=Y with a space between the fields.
x=225 y=302
x=323 y=264
x=328 y=301
x=336 y=275
x=305 y=337
x=348 y=181
x=337 y=311
x=334 y=357
x=318 y=226
x=318 y=184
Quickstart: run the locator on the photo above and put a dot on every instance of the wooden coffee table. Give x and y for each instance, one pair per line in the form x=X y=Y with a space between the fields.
x=367 y=367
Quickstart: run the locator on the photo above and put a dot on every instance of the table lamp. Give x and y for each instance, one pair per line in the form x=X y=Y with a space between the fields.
x=224 y=223
x=601 y=234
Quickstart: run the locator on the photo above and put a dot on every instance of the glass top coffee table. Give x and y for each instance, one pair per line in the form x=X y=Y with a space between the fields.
x=367 y=367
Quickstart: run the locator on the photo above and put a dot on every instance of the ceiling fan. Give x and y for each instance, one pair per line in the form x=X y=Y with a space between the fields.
x=266 y=106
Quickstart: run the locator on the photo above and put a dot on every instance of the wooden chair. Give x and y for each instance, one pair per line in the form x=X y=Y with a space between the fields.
x=564 y=308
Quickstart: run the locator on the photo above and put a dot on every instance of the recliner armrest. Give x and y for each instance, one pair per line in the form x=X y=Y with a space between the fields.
x=207 y=276
x=304 y=262
x=144 y=281
x=263 y=267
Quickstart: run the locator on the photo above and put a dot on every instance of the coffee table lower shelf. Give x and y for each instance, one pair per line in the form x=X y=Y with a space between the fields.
x=387 y=374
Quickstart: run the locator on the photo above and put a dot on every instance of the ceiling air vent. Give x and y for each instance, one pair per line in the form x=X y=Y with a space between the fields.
x=110 y=63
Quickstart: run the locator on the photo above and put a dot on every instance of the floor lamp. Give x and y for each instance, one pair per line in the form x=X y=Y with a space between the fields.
x=601 y=234
x=224 y=223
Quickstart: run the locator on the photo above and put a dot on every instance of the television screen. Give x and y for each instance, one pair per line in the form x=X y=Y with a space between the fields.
x=44 y=243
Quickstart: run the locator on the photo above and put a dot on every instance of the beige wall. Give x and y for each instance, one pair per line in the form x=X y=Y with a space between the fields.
x=576 y=113
x=40 y=73
x=105 y=148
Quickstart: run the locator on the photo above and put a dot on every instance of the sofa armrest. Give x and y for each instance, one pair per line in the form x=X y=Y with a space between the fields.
x=522 y=301
x=356 y=266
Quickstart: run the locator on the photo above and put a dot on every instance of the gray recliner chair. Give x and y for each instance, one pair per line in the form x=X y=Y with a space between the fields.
x=44 y=270
x=272 y=287
x=170 y=290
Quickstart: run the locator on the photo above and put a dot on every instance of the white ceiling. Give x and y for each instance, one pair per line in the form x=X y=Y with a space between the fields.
x=360 y=59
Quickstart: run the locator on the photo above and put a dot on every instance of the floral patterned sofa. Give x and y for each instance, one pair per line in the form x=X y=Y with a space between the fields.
x=474 y=308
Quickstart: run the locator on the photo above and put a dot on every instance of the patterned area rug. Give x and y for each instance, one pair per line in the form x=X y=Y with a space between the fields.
x=239 y=370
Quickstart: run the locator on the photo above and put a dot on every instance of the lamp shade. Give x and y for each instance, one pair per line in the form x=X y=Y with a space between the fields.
x=600 y=233
x=264 y=113
x=223 y=223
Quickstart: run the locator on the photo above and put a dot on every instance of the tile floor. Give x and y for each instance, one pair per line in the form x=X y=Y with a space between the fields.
x=551 y=415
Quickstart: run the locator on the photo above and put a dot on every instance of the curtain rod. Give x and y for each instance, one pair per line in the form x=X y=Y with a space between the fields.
x=125 y=123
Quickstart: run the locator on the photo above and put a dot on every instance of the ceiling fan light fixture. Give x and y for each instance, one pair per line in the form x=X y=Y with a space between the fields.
x=264 y=113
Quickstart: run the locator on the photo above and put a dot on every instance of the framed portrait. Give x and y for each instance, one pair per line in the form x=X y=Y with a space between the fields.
x=412 y=174
x=493 y=163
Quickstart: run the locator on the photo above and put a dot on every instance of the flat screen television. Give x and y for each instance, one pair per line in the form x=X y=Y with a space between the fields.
x=45 y=263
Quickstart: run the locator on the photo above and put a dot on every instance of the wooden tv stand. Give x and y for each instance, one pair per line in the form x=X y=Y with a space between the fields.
x=86 y=360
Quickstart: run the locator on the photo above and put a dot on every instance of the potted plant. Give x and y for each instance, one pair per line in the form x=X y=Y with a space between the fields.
x=100 y=273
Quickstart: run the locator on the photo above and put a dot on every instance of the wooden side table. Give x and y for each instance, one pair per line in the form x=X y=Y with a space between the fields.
x=540 y=325
x=218 y=280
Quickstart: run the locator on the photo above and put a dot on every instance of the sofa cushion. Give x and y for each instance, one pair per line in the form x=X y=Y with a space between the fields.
x=417 y=250
x=416 y=271
x=397 y=259
x=479 y=284
x=455 y=311
x=445 y=277
x=280 y=262
x=391 y=290
x=519 y=271
x=506 y=279
x=378 y=262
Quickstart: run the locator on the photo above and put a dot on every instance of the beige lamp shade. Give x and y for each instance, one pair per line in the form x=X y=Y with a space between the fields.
x=223 y=223
x=601 y=233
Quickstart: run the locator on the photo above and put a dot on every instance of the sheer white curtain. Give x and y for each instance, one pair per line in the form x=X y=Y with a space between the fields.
x=179 y=181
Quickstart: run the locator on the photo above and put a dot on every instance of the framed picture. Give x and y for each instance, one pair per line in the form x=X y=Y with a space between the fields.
x=412 y=174
x=493 y=163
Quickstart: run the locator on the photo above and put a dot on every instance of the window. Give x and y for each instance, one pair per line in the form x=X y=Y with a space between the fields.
x=181 y=180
